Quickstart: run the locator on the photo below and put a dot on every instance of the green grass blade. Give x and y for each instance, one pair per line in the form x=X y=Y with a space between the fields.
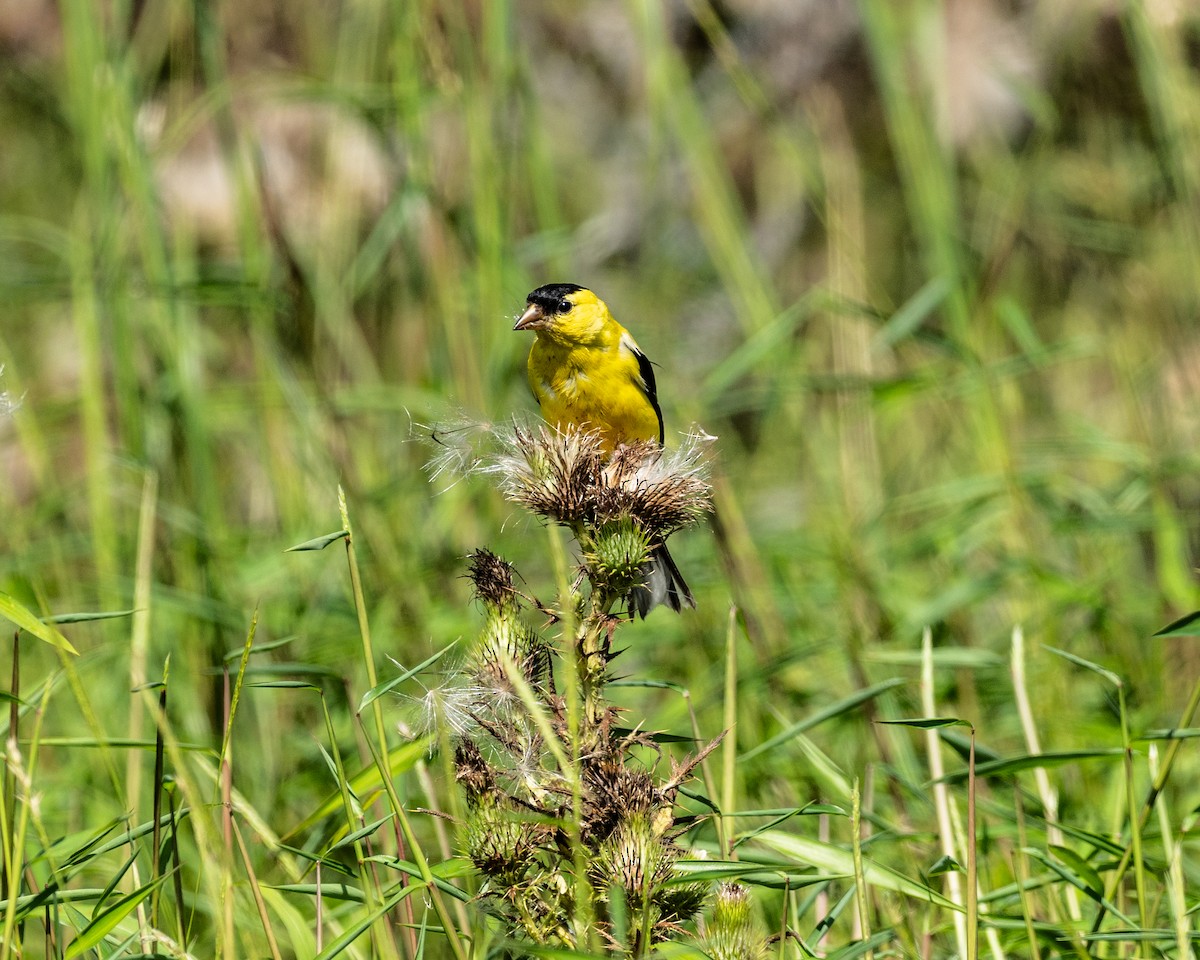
x=15 y=613
x=106 y=921
x=841 y=862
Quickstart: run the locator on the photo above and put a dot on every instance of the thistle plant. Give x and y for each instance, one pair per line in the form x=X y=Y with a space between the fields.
x=575 y=838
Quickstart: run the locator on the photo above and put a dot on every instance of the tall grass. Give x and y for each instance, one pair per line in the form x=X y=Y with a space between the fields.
x=953 y=377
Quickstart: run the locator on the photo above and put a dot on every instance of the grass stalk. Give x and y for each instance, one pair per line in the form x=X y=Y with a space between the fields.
x=1021 y=872
x=726 y=823
x=1046 y=793
x=972 y=859
x=9 y=878
x=368 y=655
x=354 y=820
x=24 y=797
x=1156 y=787
x=319 y=922
x=225 y=785
x=451 y=932
x=158 y=787
x=139 y=644
x=210 y=849
x=259 y=903
x=941 y=794
x=364 y=633
x=860 y=880
x=1175 y=880
x=1135 y=828
x=177 y=875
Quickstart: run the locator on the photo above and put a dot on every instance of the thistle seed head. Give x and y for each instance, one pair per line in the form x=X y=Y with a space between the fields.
x=553 y=474
x=615 y=794
x=473 y=772
x=568 y=477
x=493 y=579
x=662 y=492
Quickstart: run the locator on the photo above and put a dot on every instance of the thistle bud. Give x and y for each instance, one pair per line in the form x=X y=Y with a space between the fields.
x=616 y=556
x=634 y=858
x=678 y=904
x=499 y=844
x=506 y=639
x=734 y=932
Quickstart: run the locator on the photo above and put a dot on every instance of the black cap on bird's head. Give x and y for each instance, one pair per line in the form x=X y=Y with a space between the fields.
x=546 y=302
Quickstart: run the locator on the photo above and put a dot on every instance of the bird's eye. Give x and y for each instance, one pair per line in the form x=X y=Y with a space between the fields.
x=564 y=306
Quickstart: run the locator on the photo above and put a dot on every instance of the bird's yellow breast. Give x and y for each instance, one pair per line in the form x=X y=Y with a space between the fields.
x=593 y=387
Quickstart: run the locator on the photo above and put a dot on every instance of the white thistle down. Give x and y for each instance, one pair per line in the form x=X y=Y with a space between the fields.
x=8 y=405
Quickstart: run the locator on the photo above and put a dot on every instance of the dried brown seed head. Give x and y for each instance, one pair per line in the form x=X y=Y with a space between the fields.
x=473 y=772
x=493 y=578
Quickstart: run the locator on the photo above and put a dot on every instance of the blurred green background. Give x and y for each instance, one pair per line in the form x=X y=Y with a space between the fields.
x=930 y=271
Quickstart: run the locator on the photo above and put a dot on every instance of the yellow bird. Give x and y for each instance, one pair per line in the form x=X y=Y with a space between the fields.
x=587 y=371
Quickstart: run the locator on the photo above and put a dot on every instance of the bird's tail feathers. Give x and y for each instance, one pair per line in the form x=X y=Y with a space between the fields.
x=664 y=585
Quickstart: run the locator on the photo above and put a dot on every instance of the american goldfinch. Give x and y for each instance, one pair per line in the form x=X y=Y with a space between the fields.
x=587 y=371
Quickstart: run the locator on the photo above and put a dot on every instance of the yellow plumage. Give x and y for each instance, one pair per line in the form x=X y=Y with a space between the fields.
x=587 y=371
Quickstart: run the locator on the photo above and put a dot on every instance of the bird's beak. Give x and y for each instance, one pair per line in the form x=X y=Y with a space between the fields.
x=531 y=319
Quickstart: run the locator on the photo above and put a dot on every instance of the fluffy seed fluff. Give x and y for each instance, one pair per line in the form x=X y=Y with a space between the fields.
x=8 y=406
x=459 y=447
x=449 y=706
x=569 y=478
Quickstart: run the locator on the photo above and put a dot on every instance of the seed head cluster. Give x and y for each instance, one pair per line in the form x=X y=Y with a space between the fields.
x=568 y=477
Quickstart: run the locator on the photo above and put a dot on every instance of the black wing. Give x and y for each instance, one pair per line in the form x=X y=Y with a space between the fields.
x=646 y=369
